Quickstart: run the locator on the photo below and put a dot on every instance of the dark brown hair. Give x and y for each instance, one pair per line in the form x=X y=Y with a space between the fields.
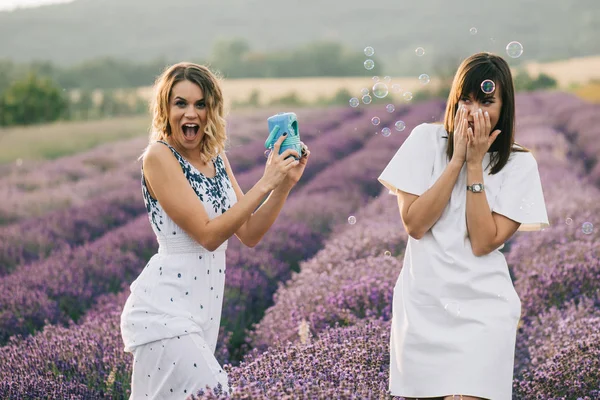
x=467 y=81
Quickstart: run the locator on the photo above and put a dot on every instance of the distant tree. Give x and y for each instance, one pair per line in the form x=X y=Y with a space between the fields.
x=32 y=100
x=84 y=104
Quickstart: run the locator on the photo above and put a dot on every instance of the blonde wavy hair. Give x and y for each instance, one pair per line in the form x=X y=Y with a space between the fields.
x=215 y=137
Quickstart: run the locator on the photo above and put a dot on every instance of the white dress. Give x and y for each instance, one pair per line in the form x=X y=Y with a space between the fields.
x=171 y=319
x=455 y=315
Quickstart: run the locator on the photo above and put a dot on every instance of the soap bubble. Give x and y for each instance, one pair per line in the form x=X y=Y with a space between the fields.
x=19 y=162
x=568 y=221
x=514 y=49
x=369 y=51
x=488 y=86
x=366 y=99
x=400 y=126
x=407 y=96
x=587 y=228
x=364 y=91
x=390 y=108
x=396 y=88
x=386 y=132
x=369 y=64
x=424 y=79
x=375 y=79
x=453 y=308
x=387 y=79
x=267 y=152
x=354 y=102
x=375 y=121
x=380 y=90
x=387 y=253
x=420 y=51
x=473 y=31
x=352 y=220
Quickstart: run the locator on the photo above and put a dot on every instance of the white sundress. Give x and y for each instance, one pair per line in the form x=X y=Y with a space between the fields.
x=171 y=319
x=455 y=315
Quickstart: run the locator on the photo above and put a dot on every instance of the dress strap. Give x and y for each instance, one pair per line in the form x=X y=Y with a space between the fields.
x=175 y=152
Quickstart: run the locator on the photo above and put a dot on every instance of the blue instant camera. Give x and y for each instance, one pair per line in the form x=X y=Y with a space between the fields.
x=278 y=125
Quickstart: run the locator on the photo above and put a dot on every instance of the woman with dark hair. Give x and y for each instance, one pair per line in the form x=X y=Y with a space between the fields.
x=463 y=188
x=171 y=319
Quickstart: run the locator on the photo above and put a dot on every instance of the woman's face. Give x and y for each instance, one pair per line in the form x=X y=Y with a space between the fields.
x=492 y=103
x=187 y=114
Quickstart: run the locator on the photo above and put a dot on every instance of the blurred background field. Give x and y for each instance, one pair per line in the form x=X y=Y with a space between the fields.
x=75 y=81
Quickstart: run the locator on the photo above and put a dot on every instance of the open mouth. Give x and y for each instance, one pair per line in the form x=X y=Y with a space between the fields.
x=190 y=131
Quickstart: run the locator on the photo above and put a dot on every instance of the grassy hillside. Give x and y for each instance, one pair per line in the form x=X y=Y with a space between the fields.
x=142 y=30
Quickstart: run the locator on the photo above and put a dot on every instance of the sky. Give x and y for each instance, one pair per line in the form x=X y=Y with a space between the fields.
x=6 y=5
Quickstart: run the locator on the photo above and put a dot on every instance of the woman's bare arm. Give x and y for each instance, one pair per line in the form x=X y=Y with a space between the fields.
x=172 y=190
x=420 y=213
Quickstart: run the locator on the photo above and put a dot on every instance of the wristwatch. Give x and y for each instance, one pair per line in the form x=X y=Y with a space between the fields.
x=476 y=187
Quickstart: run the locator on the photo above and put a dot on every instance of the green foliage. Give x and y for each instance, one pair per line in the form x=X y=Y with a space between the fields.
x=525 y=82
x=32 y=100
x=235 y=59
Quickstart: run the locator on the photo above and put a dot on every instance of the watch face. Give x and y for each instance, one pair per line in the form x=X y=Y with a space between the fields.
x=477 y=188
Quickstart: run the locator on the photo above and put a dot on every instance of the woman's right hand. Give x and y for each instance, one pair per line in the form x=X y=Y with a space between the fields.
x=460 y=136
x=277 y=166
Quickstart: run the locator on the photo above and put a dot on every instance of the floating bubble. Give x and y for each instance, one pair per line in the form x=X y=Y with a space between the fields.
x=488 y=86
x=453 y=308
x=352 y=220
x=386 y=132
x=424 y=79
x=364 y=91
x=19 y=162
x=390 y=108
x=369 y=64
x=407 y=96
x=587 y=228
x=387 y=79
x=396 y=88
x=375 y=79
x=380 y=90
x=420 y=51
x=387 y=253
x=354 y=102
x=366 y=99
x=267 y=152
x=568 y=221
x=526 y=205
x=400 y=126
x=369 y=51
x=473 y=31
x=514 y=49
x=375 y=121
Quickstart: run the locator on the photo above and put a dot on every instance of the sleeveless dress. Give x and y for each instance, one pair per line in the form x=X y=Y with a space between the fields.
x=455 y=315
x=171 y=319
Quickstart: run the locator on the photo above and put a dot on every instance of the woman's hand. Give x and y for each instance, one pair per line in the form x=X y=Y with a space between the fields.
x=480 y=138
x=460 y=137
x=295 y=173
x=277 y=167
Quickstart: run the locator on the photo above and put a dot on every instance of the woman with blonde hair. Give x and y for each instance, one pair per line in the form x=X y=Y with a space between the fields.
x=463 y=188
x=171 y=319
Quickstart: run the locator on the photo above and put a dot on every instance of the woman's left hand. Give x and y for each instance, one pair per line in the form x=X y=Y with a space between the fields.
x=294 y=174
x=480 y=138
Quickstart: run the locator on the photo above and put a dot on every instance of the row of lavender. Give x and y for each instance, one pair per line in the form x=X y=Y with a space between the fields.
x=33 y=189
x=116 y=196
x=259 y=264
x=334 y=315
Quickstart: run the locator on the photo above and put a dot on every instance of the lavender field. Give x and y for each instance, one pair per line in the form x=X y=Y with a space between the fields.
x=307 y=312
